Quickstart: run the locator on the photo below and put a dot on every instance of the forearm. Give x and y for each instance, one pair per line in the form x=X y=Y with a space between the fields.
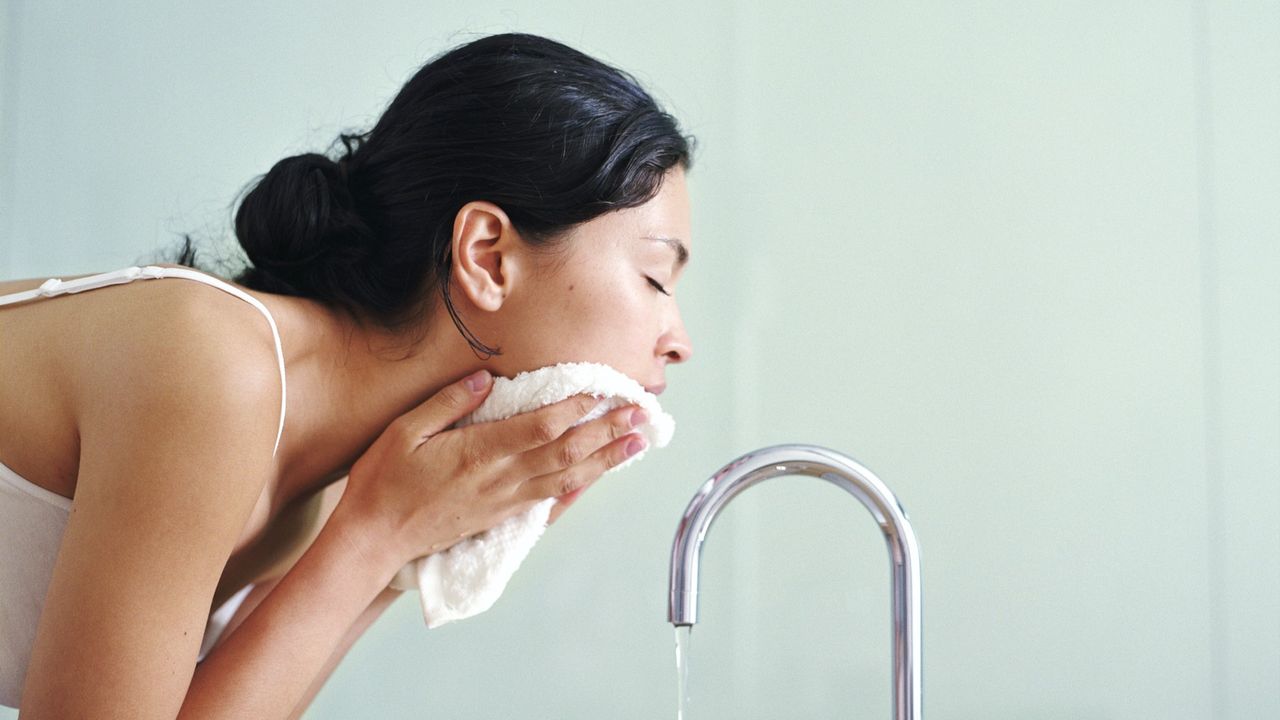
x=379 y=604
x=364 y=622
x=267 y=667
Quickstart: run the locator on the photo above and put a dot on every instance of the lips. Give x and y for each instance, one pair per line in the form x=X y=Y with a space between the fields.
x=656 y=389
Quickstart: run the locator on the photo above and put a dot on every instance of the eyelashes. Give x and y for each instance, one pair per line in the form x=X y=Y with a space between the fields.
x=657 y=285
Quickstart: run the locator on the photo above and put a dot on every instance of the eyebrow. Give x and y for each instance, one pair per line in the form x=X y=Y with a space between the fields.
x=682 y=253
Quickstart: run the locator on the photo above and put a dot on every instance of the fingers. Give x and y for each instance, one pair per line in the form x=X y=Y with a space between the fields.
x=563 y=502
x=577 y=443
x=577 y=477
x=445 y=408
x=533 y=429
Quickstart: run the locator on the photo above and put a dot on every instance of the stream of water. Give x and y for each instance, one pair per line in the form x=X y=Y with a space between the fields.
x=682 y=668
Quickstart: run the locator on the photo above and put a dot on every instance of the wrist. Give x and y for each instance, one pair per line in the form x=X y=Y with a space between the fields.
x=368 y=541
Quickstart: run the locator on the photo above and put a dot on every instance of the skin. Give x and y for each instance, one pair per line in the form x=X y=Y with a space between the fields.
x=589 y=301
x=111 y=412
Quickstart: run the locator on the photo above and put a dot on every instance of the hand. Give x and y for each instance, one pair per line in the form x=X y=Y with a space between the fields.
x=423 y=488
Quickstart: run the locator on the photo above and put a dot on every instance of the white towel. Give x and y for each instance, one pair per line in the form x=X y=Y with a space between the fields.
x=467 y=578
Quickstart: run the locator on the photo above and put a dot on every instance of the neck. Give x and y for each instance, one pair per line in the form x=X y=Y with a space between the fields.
x=346 y=384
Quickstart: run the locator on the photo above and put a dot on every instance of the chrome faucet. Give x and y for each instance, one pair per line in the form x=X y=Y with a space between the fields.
x=847 y=473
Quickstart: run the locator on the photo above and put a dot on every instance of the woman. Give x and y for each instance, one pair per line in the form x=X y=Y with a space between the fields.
x=517 y=205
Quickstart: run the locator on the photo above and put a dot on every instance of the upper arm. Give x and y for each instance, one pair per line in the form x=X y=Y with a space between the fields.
x=175 y=450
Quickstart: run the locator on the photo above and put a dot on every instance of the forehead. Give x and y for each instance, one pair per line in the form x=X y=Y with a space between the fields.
x=666 y=215
x=668 y=211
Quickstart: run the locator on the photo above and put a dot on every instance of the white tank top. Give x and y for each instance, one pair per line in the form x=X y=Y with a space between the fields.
x=32 y=519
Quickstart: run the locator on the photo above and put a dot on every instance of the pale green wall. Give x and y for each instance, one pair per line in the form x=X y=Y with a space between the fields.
x=1021 y=259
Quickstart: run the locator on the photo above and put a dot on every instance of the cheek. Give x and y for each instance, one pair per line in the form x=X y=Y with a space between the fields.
x=605 y=314
x=608 y=323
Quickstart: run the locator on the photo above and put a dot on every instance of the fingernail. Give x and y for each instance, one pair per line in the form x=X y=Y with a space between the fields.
x=634 y=446
x=638 y=417
x=477 y=381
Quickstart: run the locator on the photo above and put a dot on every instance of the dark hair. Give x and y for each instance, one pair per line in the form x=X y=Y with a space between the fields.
x=549 y=134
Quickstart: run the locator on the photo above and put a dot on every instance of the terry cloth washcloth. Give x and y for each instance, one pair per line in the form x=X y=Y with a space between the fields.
x=467 y=578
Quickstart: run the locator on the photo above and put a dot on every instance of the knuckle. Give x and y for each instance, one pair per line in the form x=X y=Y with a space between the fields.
x=565 y=485
x=471 y=457
x=401 y=430
x=571 y=452
x=448 y=398
x=621 y=424
x=493 y=487
x=457 y=393
x=545 y=431
x=570 y=480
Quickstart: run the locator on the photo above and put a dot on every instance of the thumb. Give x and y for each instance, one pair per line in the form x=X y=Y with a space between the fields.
x=451 y=404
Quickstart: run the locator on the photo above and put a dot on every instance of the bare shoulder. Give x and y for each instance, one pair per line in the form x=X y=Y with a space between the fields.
x=88 y=356
x=201 y=352
x=176 y=442
x=188 y=379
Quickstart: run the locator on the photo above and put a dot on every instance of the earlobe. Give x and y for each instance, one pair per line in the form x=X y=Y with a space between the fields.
x=481 y=236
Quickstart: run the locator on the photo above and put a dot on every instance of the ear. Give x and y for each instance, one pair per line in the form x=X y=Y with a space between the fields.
x=484 y=261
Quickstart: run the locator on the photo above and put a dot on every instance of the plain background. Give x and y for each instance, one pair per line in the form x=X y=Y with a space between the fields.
x=1022 y=259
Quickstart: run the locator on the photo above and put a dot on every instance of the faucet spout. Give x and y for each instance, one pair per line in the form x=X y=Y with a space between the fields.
x=849 y=474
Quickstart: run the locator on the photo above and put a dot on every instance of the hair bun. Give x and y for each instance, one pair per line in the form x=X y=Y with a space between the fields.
x=301 y=230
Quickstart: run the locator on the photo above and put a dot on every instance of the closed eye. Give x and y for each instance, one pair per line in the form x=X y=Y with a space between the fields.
x=657 y=285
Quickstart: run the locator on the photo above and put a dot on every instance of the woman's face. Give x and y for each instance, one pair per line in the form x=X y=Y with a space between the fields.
x=600 y=296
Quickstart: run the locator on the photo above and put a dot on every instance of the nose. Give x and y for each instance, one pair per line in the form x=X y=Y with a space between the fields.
x=675 y=344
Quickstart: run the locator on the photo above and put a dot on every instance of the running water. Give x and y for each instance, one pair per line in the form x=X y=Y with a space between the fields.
x=682 y=667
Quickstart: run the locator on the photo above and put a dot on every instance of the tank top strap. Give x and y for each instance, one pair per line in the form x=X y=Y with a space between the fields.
x=55 y=286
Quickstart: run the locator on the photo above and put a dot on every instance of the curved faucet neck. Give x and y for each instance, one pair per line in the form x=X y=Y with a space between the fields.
x=857 y=480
